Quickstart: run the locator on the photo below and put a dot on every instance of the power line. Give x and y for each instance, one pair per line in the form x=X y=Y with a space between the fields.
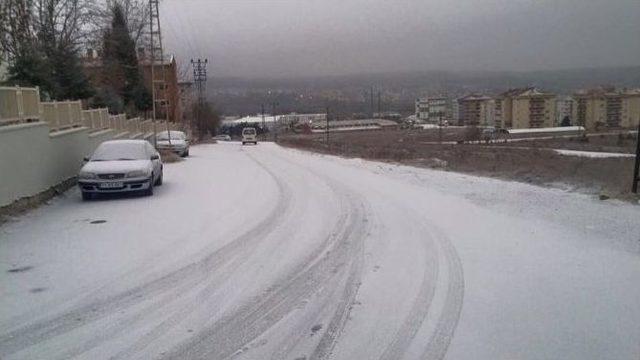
x=200 y=80
x=276 y=125
x=200 y=76
x=636 y=170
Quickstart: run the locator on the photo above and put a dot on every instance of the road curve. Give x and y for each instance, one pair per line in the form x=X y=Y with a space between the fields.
x=248 y=252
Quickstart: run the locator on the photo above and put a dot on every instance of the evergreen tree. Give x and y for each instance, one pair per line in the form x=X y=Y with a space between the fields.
x=40 y=37
x=30 y=68
x=27 y=64
x=120 y=64
x=57 y=27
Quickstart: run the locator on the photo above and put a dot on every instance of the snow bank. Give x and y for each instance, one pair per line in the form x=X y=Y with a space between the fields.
x=592 y=154
x=546 y=130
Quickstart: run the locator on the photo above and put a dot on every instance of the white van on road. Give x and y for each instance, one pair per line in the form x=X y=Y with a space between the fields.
x=249 y=135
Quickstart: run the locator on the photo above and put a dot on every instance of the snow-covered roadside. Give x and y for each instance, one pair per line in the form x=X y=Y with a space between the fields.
x=592 y=154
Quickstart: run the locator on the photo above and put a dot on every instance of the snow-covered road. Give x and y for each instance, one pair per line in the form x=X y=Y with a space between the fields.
x=260 y=252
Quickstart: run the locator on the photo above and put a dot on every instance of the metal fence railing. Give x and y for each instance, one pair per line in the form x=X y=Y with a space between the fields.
x=61 y=115
x=118 y=122
x=96 y=119
x=19 y=105
x=133 y=126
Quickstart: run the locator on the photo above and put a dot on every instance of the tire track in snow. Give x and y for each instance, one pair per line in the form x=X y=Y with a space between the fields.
x=230 y=335
x=213 y=280
x=340 y=316
x=419 y=309
x=450 y=314
x=101 y=307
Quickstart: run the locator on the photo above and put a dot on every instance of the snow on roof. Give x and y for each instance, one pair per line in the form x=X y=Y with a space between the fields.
x=474 y=97
x=251 y=119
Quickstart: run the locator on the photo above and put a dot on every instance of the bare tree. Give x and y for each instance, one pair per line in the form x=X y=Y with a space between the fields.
x=17 y=32
x=61 y=22
x=40 y=39
x=101 y=14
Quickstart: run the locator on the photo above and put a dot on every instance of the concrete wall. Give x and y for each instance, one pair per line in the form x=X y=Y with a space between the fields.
x=32 y=160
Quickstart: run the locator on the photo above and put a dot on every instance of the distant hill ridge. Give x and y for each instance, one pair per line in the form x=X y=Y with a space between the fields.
x=561 y=81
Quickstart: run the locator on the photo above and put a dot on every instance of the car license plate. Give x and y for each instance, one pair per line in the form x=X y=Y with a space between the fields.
x=111 y=185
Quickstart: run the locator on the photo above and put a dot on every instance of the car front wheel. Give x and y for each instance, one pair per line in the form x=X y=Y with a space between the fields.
x=149 y=191
x=159 y=181
x=86 y=196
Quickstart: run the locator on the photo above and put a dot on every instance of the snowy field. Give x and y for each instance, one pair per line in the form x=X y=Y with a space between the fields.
x=260 y=252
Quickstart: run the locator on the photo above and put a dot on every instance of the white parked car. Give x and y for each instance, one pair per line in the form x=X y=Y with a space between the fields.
x=249 y=135
x=222 y=138
x=173 y=141
x=119 y=166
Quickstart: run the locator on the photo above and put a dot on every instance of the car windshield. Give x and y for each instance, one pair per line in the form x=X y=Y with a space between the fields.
x=251 y=131
x=119 y=151
x=173 y=135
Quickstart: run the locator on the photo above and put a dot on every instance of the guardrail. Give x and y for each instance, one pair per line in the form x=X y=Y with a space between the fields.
x=18 y=105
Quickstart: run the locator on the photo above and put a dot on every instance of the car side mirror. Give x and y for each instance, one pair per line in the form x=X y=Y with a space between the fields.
x=155 y=157
x=86 y=159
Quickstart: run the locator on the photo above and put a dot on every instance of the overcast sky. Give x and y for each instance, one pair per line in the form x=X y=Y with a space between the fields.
x=288 y=38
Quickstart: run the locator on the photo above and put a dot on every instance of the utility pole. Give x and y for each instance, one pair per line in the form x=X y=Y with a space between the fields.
x=326 y=135
x=276 y=126
x=371 y=93
x=636 y=170
x=264 y=134
x=200 y=79
x=379 y=104
x=156 y=53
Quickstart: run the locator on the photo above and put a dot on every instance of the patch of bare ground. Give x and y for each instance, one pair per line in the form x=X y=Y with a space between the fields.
x=170 y=157
x=610 y=177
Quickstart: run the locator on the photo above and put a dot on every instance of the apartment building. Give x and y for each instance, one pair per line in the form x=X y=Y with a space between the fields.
x=630 y=109
x=455 y=112
x=525 y=108
x=476 y=110
x=564 y=109
x=601 y=108
x=167 y=91
x=435 y=110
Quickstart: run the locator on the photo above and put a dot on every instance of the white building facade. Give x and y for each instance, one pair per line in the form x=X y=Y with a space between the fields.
x=564 y=108
x=435 y=110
